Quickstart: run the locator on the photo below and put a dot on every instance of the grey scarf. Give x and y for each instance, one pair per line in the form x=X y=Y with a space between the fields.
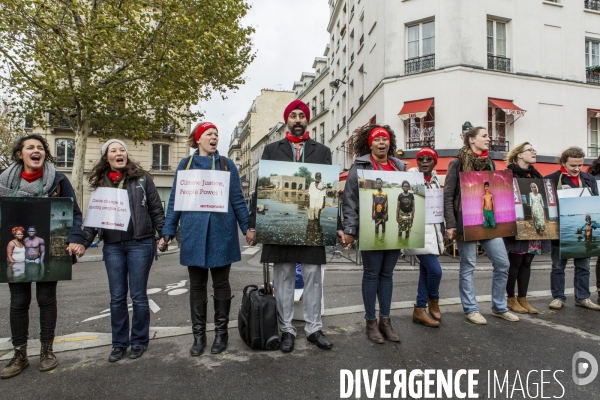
x=12 y=177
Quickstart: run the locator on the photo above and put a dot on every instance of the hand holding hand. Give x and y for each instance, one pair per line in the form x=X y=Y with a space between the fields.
x=451 y=233
x=348 y=240
x=250 y=236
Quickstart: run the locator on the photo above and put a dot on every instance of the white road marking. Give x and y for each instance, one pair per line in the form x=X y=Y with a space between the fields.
x=96 y=317
x=177 y=292
x=153 y=306
x=153 y=290
x=251 y=251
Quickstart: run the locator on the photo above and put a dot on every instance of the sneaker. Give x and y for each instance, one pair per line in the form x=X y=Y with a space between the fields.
x=507 y=316
x=136 y=352
x=556 y=304
x=117 y=354
x=587 y=303
x=476 y=318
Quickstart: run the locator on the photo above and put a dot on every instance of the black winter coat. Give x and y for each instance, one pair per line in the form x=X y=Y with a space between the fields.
x=147 y=213
x=314 y=153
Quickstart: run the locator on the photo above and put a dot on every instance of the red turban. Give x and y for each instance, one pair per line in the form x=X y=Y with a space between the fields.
x=296 y=104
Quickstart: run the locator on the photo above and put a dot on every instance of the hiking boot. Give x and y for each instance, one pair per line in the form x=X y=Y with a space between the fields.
x=17 y=364
x=47 y=358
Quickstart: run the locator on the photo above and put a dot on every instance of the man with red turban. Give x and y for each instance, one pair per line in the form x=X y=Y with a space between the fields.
x=297 y=146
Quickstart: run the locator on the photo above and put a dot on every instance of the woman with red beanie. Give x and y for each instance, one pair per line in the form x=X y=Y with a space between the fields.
x=374 y=147
x=430 y=270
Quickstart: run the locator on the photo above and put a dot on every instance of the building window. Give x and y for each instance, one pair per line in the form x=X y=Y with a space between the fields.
x=593 y=137
x=496 y=46
x=65 y=152
x=314 y=134
x=421 y=48
x=592 y=61
x=160 y=157
x=497 y=129
x=421 y=131
x=323 y=133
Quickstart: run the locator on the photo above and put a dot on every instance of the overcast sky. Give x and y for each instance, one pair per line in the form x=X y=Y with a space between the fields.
x=289 y=35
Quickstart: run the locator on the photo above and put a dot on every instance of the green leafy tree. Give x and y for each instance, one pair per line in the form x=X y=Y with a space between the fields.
x=264 y=181
x=120 y=68
x=305 y=173
x=10 y=131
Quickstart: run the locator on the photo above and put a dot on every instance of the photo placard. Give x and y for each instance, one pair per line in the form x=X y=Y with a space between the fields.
x=579 y=223
x=536 y=209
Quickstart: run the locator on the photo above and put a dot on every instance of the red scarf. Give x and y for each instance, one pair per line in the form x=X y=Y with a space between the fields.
x=296 y=139
x=427 y=178
x=32 y=176
x=484 y=154
x=386 y=167
x=575 y=179
x=115 y=176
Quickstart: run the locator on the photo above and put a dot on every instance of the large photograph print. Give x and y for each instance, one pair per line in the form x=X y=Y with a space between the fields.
x=536 y=208
x=297 y=203
x=33 y=239
x=488 y=204
x=579 y=223
x=391 y=210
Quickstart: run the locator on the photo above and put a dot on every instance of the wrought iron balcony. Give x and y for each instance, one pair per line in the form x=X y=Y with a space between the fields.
x=499 y=145
x=591 y=77
x=592 y=4
x=498 y=63
x=419 y=64
x=417 y=144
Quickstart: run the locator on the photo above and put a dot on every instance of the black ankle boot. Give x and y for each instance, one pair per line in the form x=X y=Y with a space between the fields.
x=222 y=307
x=198 y=308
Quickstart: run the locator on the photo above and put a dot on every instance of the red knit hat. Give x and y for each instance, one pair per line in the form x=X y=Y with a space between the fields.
x=428 y=151
x=203 y=127
x=296 y=104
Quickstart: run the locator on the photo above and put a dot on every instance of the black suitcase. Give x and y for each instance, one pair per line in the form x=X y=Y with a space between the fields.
x=257 y=317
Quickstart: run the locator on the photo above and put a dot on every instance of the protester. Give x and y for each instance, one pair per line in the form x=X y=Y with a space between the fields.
x=474 y=156
x=430 y=270
x=374 y=147
x=297 y=146
x=32 y=174
x=520 y=161
x=209 y=240
x=128 y=254
x=570 y=175
x=594 y=170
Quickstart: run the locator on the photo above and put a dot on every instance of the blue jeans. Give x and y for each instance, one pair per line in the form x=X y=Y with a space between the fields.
x=430 y=277
x=581 y=280
x=496 y=252
x=130 y=260
x=377 y=282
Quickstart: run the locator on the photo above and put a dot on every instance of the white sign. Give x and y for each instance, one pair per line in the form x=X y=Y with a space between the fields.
x=202 y=190
x=573 y=192
x=108 y=209
x=434 y=206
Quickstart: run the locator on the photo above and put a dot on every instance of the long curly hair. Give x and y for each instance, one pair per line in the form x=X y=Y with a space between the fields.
x=594 y=169
x=20 y=143
x=98 y=176
x=361 y=143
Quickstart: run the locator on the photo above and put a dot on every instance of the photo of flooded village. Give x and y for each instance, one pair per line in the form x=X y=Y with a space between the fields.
x=297 y=203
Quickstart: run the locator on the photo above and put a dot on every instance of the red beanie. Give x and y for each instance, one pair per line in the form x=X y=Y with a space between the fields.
x=203 y=127
x=428 y=151
x=296 y=104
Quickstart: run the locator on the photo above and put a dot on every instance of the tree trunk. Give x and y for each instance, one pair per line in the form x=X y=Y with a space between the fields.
x=77 y=176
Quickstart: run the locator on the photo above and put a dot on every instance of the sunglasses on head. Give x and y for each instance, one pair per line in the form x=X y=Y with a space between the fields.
x=425 y=159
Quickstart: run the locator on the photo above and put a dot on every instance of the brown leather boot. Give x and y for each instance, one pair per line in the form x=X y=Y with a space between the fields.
x=420 y=316
x=373 y=332
x=47 y=358
x=525 y=304
x=17 y=364
x=434 y=309
x=385 y=326
x=514 y=305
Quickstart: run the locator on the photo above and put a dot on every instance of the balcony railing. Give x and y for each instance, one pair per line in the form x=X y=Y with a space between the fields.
x=361 y=41
x=419 y=64
x=417 y=144
x=499 y=145
x=498 y=63
x=593 y=151
x=344 y=121
x=592 y=78
x=313 y=110
x=161 y=167
x=592 y=4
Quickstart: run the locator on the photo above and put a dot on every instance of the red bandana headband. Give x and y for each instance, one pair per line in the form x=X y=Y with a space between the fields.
x=203 y=127
x=427 y=151
x=378 y=132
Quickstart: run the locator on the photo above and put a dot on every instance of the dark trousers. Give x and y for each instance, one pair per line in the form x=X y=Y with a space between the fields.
x=199 y=280
x=519 y=272
x=598 y=274
x=20 y=299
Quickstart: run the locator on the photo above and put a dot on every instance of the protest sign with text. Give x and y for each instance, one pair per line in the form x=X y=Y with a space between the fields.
x=108 y=209
x=202 y=190
x=434 y=206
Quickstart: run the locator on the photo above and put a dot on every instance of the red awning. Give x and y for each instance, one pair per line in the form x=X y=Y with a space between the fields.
x=508 y=107
x=344 y=176
x=415 y=109
x=596 y=113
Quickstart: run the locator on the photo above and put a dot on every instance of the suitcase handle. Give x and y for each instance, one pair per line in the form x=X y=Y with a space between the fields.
x=254 y=287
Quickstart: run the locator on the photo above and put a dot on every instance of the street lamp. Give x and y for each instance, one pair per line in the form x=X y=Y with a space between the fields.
x=335 y=84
